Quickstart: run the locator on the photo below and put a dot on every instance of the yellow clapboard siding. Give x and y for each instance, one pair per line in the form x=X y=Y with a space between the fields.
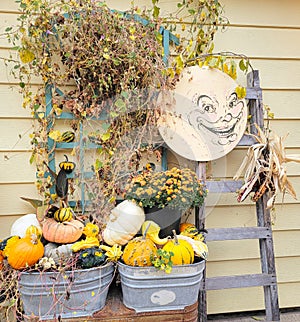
x=288 y=128
x=11 y=203
x=16 y=168
x=7 y=20
x=235 y=300
x=250 y=299
x=14 y=135
x=11 y=102
x=287 y=268
x=281 y=42
x=285 y=216
x=283 y=75
x=289 y=294
x=257 y=12
x=8 y=5
x=279 y=101
x=286 y=244
x=125 y=5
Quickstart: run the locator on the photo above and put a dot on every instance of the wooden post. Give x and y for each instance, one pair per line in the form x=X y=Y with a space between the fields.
x=200 y=223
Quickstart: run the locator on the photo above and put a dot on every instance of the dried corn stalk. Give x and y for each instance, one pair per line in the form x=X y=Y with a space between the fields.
x=264 y=169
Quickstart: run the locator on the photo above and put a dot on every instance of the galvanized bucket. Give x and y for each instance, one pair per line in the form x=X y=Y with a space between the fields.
x=70 y=294
x=146 y=289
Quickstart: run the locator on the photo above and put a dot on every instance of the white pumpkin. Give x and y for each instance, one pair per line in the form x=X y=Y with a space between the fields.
x=124 y=222
x=19 y=227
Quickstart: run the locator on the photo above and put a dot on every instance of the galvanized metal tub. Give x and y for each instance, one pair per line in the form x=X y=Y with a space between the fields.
x=68 y=295
x=146 y=289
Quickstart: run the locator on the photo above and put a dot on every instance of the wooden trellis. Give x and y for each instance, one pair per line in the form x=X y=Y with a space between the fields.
x=263 y=231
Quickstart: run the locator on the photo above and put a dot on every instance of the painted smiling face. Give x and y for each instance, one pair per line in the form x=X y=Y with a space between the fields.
x=208 y=119
x=219 y=116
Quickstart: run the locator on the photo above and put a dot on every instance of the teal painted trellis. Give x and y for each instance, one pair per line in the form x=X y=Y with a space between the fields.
x=167 y=39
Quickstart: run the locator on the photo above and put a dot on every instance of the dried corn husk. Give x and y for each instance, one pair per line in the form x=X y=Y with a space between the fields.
x=264 y=168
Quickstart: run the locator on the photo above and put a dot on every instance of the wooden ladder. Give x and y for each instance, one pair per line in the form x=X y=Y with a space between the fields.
x=263 y=231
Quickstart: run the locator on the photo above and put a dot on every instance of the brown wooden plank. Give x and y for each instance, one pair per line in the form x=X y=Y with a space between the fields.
x=238 y=233
x=239 y=281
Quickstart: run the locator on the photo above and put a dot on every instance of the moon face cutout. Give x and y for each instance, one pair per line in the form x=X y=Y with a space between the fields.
x=207 y=119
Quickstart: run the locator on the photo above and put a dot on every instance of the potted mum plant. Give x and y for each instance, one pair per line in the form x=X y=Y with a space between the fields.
x=165 y=195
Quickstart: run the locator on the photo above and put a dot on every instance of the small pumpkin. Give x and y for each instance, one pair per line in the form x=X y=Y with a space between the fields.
x=91 y=257
x=188 y=229
x=91 y=230
x=63 y=214
x=25 y=252
x=62 y=232
x=67 y=136
x=19 y=226
x=182 y=250
x=139 y=251
x=124 y=222
x=7 y=244
x=57 y=252
x=67 y=166
x=32 y=229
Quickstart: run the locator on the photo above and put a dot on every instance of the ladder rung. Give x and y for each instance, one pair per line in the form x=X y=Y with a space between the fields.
x=238 y=233
x=223 y=186
x=239 y=281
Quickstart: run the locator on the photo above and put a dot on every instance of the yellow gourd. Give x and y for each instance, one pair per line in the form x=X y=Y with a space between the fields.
x=153 y=232
x=63 y=214
x=182 y=250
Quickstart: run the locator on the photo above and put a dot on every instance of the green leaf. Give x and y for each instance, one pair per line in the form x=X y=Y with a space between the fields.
x=191 y=11
x=32 y=158
x=98 y=165
x=156 y=11
x=242 y=65
x=105 y=137
x=120 y=103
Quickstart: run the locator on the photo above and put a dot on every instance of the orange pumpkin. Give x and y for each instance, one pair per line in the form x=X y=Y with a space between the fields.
x=186 y=225
x=62 y=232
x=26 y=252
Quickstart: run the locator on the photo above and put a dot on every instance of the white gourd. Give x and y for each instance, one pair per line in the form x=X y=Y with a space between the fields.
x=19 y=226
x=57 y=252
x=124 y=222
